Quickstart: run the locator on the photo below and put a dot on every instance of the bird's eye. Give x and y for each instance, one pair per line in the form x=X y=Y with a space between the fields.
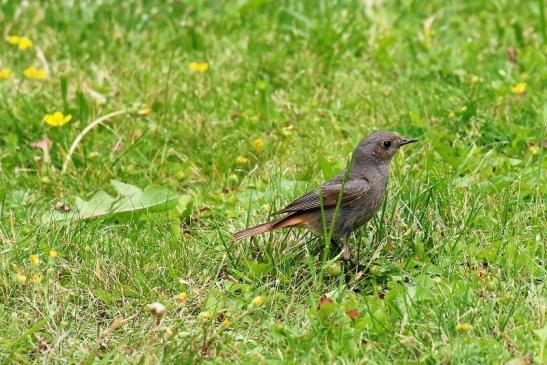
x=387 y=144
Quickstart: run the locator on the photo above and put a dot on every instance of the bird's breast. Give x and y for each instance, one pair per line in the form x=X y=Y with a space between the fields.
x=365 y=207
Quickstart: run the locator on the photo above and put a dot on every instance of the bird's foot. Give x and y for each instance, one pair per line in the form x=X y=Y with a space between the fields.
x=346 y=255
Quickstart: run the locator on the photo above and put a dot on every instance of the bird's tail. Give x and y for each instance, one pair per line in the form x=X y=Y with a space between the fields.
x=249 y=232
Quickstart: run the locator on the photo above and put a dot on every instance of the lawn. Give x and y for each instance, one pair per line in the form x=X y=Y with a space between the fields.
x=231 y=109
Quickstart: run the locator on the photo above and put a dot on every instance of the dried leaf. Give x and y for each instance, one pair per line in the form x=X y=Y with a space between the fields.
x=157 y=310
x=62 y=207
x=512 y=55
x=42 y=344
x=323 y=299
x=116 y=323
x=527 y=360
x=353 y=313
x=206 y=351
x=44 y=144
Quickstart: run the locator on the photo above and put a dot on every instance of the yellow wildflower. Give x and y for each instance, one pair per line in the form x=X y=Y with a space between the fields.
x=34 y=73
x=13 y=39
x=21 y=278
x=225 y=323
x=37 y=278
x=181 y=297
x=5 y=74
x=21 y=42
x=242 y=160
x=258 y=301
x=57 y=119
x=34 y=259
x=144 y=110
x=53 y=253
x=463 y=327
x=258 y=143
x=24 y=43
x=205 y=315
x=519 y=88
x=199 y=66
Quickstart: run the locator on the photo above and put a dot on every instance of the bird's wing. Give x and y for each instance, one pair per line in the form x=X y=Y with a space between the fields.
x=353 y=189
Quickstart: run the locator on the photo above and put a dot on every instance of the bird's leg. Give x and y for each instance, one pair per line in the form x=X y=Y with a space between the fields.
x=346 y=254
x=351 y=262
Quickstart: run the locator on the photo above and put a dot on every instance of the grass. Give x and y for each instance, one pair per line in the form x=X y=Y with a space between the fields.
x=456 y=257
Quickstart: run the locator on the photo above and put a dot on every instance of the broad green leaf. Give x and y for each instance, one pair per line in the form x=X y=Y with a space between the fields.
x=326 y=309
x=152 y=197
x=184 y=206
x=124 y=189
x=98 y=205
x=131 y=200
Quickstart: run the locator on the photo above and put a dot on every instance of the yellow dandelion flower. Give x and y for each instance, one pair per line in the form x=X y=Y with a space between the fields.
x=258 y=143
x=519 y=88
x=34 y=73
x=225 y=323
x=5 y=74
x=57 y=119
x=37 y=278
x=242 y=160
x=463 y=327
x=181 y=297
x=199 y=66
x=53 y=253
x=13 y=39
x=24 y=43
x=258 y=301
x=205 y=315
x=21 y=278
x=34 y=259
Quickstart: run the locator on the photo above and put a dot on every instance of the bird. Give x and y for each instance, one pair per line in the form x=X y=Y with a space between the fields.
x=348 y=200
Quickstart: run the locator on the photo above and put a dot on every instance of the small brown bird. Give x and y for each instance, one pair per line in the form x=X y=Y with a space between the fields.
x=363 y=187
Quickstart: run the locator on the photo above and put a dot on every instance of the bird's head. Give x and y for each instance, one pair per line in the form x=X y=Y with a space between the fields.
x=380 y=147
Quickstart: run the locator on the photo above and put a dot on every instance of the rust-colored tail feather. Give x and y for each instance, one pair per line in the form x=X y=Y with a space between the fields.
x=288 y=221
x=261 y=228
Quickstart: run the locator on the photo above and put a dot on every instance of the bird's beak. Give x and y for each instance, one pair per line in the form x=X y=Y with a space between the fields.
x=408 y=140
